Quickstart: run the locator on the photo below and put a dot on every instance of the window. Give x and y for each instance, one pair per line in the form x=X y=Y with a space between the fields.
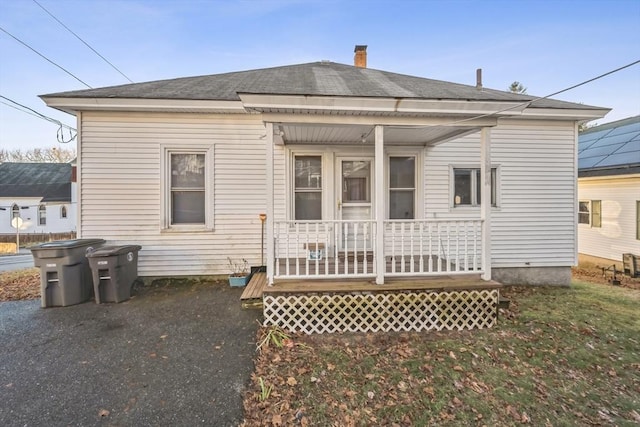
x=590 y=213
x=63 y=211
x=596 y=213
x=402 y=187
x=583 y=212
x=308 y=187
x=42 y=215
x=467 y=187
x=187 y=188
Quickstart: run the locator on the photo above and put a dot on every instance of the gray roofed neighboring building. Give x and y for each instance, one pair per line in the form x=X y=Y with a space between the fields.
x=610 y=149
x=51 y=181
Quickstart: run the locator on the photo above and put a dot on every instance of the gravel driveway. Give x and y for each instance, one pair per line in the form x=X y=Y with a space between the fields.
x=172 y=355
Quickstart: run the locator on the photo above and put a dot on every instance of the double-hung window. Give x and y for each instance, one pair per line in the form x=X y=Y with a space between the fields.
x=307 y=188
x=467 y=187
x=186 y=201
x=42 y=215
x=590 y=213
x=402 y=187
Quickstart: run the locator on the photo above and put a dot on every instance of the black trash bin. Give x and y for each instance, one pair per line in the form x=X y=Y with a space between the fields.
x=65 y=276
x=114 y=269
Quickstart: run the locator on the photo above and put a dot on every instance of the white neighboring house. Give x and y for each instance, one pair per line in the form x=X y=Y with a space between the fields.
x=609 y=192
x=362 y=173
x=40 y=194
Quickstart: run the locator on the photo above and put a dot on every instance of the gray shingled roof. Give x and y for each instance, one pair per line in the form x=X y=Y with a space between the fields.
x=316 y=78
x=51 y=181
x=610 y=149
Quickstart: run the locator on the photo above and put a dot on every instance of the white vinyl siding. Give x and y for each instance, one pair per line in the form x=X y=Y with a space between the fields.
x=617 y=233
x=534 y=224
x=121 y=187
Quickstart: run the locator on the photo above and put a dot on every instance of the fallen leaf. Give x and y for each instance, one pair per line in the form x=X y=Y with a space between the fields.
x=371 y=395
x=291 y=381
x=452 y=355
x=163 y=336
x=153 y=355
x=331 y=367
x=314 y=379
x=458 y=368
x=103 y=413
x=525 y=418
x=276 y=420
x=9 y=385
x=402 y=386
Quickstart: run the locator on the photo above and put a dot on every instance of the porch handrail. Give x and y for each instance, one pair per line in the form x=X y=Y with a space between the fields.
x=324 y=248
x=433 y=246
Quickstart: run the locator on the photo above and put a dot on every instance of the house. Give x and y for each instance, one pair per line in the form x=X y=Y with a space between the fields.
x=609 y=192
x=40 y=194
x=362 y=173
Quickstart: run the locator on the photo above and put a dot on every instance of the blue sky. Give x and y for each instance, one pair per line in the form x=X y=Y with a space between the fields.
x=545 y=44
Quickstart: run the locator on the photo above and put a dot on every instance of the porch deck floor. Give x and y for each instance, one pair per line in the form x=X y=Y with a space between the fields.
x=258 y=285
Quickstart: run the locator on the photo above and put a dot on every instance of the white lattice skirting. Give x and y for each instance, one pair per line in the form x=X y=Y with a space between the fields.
x=382 y=312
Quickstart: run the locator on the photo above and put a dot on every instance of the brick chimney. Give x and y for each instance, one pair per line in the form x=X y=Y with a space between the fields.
x=360 y=58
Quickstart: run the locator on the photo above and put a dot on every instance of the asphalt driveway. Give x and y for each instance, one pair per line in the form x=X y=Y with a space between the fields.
x=173 y=355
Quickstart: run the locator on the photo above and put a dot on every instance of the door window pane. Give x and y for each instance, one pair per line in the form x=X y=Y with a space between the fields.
x=355 y=181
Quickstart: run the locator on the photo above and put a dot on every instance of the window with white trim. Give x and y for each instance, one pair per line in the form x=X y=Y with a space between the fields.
x=307 y=188
x=590 y=213
x=467 y=187
x=402 y=187
x=187 y=183
x=42 y=215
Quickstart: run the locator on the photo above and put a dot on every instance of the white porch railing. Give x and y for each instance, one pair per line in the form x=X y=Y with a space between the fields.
x=341 y=249
x=432 y=247
x=323 y=249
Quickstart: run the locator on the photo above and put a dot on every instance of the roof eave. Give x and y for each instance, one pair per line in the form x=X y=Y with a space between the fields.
x=72 y=105
x=566 y=113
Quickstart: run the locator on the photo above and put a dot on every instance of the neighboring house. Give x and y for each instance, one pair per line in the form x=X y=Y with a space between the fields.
x=609 y=192
x=362 y=173
x=40 y=194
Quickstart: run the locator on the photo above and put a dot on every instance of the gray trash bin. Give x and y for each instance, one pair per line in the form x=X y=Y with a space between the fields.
x=65 y=276
x=114 y=270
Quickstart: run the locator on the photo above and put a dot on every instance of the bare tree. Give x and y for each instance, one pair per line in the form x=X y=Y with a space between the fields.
x=516 y=87
x=38 y=155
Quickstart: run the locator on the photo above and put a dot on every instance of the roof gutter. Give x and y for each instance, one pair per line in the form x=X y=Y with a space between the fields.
x=72 y=105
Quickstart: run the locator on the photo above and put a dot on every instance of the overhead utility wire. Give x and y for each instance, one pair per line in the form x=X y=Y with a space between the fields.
x=528 y=103
x=44 y=57
x=31 y=111
x=85 y=43
x=35 y=113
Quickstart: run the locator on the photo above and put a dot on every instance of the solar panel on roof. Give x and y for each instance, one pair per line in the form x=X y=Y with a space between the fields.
x=603 y=150
x=632 y=127
x=619 y=159
x=611 y=140
x=589 y=162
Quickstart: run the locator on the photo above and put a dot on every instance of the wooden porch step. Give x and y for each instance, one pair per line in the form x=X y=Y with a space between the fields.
x=252 y=295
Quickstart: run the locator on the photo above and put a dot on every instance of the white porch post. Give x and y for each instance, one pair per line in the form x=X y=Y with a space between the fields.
x=379 y=211
x=485 y=202
x=269 y=195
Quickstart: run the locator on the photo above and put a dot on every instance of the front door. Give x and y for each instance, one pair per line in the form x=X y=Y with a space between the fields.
x=355 y=202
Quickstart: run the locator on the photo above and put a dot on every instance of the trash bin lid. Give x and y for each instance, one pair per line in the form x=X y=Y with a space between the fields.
x=106 y=251
x=68 y=244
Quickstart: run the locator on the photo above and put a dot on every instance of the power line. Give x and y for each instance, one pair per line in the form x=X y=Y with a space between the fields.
x=529 y=102
x=86 y=44
x=44 y=57
x=59 y=134
x=33 y=112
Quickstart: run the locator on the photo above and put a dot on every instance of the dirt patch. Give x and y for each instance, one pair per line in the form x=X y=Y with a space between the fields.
x=587 y=272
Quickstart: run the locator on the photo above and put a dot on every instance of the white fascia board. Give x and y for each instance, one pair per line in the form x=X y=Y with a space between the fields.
x=621 y=177
x=565 y=113
x=71 y=105
x=371 y=120
x=267 y=103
